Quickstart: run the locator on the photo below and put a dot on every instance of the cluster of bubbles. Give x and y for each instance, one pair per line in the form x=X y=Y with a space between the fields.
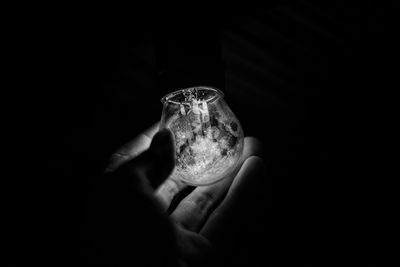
x=208 y=140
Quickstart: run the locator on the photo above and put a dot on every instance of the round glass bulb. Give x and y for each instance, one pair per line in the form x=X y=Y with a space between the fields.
x=208 y=136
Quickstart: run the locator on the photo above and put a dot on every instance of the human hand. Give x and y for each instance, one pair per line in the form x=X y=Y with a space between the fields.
x=198 y=219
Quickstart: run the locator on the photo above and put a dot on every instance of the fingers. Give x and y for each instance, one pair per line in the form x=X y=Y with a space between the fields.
x=133 y=148
x=240 y=199
x=194 y=249
x=193 y=210
x=168 y=190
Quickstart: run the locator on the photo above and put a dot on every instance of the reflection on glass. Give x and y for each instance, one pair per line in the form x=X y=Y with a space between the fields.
x=208 y=136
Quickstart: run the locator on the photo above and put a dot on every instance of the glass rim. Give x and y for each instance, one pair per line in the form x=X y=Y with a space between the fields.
x=167 y=97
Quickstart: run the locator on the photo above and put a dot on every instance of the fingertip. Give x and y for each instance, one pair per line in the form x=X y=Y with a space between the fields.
x=253 y=168
x=252 y=147
x=256 y=161
x=261 y=165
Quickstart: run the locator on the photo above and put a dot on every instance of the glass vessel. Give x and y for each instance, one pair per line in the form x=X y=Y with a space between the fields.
x=208 y=136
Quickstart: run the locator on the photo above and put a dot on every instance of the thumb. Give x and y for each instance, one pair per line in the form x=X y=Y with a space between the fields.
x=155 y=164
x=160 y=157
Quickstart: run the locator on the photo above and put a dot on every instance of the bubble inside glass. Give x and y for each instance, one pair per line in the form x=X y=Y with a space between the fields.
x=208 y=136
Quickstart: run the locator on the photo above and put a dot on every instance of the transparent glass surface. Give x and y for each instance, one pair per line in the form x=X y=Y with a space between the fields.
x=208 y=136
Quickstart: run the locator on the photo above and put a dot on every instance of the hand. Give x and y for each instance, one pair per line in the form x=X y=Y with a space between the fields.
x=200 y=219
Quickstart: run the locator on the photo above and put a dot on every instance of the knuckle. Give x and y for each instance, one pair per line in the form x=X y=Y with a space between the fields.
x=203 y=201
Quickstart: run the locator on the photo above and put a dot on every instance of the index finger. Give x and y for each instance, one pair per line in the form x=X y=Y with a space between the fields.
x=133 y=148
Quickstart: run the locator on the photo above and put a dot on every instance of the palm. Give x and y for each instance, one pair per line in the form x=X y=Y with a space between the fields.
x=199 y=216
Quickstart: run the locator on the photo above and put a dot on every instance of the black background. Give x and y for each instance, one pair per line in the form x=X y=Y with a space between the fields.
x=313 y=81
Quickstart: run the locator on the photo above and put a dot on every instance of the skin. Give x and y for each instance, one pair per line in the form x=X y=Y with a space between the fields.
x=183 y=234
